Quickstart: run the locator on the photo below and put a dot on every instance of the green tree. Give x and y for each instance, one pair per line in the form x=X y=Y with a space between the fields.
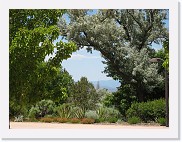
x=51 y=83
x=166 y=52
x=84 y=95
x=124 y=38
x=32 y=33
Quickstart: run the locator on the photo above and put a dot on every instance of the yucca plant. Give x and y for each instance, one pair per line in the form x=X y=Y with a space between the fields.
x=101 y=112
x=108 y=114
x=78 y=112
x=65 y=111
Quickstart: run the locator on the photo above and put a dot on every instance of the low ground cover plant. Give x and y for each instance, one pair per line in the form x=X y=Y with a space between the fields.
x=47 y=119
x=74 y=120
x=62 y=120
x=87 y=121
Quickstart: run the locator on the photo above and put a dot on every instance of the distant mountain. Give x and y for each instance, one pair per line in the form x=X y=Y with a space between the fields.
x=111 y=85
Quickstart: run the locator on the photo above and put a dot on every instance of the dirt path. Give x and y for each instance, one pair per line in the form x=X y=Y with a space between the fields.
x=38 y=125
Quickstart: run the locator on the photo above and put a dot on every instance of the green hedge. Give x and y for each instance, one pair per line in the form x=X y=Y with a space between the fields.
x=147 y=111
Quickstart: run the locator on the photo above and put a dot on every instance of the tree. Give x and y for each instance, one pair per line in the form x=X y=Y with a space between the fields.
x=166 y=52
x=32 y=33
x=84 y=95
x=98 y=85
x=51 y=83
x=124 y=38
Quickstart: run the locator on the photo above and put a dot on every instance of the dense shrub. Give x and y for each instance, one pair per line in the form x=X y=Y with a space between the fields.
x=87 y=121
x=42 y=108
x=91 y=114
x=16 y=109
x=134 y=120
x=121 y=99
x=107 y=114
x=34 y=112
x=147 y=111
x=112 y=119
x=161 y=121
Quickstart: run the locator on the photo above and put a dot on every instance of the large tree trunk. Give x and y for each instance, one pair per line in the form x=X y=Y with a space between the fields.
x=140 y=93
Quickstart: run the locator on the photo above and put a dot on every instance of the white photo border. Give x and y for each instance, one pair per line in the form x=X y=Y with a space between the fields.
x=169 y=133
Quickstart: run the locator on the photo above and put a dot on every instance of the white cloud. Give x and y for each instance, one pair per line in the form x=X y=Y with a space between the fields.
x=80 y=57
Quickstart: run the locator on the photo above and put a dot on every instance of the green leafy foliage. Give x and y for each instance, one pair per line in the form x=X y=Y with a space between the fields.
x=147 y=111
x=84 y=95
x=161 y=121
x=134 y=120
x=34 y=112
x=120 y=99
x=166 y=51
x=52 y=83
x=32 y=33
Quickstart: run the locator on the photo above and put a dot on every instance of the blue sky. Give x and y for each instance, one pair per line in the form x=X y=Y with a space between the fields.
x=86 y=64
x=89 y=65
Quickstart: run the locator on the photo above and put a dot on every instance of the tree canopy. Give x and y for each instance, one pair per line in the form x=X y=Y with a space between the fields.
x=124 y=39
x=32 y=34
x=84 y=95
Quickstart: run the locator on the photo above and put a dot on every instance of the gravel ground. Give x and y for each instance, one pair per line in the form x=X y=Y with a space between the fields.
x=39 y=125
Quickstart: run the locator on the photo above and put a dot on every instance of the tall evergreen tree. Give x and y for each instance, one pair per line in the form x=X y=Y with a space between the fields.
x=84 y=95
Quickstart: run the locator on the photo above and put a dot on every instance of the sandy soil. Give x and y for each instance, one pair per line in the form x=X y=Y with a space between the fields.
x=38 y=125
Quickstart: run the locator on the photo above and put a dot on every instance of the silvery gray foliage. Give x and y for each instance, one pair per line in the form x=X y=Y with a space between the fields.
x=18 y=118
x=123 y=38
